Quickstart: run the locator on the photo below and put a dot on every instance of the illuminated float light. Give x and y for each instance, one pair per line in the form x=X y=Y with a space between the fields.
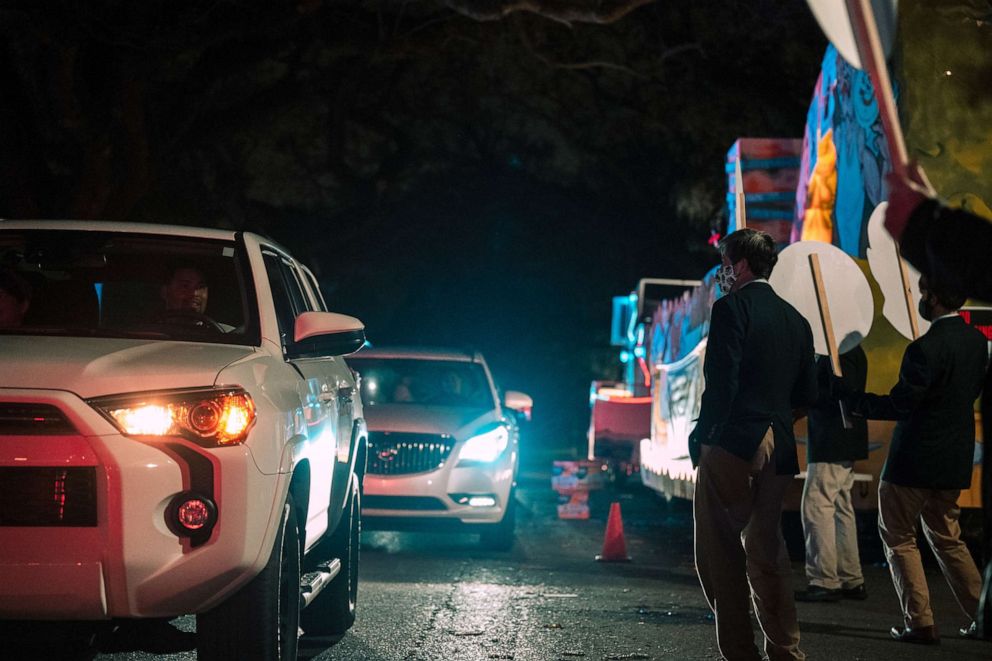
x=624 y=356
x=640 y=352
x=207 y=417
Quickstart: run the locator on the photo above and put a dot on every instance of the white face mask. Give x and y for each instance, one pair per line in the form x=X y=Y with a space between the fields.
x=725 y=278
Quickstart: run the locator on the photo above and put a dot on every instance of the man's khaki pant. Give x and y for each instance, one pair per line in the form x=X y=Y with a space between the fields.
x=737 y=509
x=899 y=512
x=832 y=559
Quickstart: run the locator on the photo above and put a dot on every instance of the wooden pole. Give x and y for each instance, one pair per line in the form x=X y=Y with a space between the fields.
x=907 y=294
x=828 y=327
x=824 y=305
x=873 y=62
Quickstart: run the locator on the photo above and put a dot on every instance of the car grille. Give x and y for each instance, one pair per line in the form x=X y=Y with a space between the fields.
x=396 y=453
x=42 y=496
x=29 y=419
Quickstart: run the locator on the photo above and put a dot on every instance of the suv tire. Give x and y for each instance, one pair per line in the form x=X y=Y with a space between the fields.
x=332 y=613
x=261 y=621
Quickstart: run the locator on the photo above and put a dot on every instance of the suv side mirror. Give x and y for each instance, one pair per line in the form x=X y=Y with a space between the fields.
x=520 y=402
x=323 y=334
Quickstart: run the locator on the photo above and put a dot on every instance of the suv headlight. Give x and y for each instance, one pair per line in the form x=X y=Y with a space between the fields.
x=487 y=446
x=209 y=417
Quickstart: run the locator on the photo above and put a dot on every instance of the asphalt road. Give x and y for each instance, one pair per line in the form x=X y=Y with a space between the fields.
x=441 y=598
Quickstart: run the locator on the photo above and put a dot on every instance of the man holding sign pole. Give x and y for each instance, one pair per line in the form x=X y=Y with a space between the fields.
x=758 y=368
x=930 y=460
x=833 y=564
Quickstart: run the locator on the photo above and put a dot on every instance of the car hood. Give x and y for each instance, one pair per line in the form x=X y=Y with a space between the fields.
x=91 y=367
x=455 y=421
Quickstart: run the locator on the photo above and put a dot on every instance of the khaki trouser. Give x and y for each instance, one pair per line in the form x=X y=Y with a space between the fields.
x=899 y=512
x=832 y=559
x=741 y=554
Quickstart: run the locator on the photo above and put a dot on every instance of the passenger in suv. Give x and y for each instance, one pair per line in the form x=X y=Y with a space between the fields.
x=443 y=448
x=15 y=298
x=151 y=467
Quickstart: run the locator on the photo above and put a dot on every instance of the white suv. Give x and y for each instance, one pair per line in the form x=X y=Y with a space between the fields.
x=443 y=448
x=178 y=434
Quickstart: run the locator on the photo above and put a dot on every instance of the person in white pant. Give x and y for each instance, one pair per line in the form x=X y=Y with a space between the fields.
x=833 y=564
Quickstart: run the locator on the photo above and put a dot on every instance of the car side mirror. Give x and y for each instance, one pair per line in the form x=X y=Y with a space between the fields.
x=520 y=402
x=324 y=334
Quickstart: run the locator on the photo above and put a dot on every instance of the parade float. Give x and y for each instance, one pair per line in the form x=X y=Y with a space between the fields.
x=824 y=195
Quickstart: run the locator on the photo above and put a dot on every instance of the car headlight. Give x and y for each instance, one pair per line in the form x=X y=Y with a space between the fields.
x=487 y=446
x=209 y=417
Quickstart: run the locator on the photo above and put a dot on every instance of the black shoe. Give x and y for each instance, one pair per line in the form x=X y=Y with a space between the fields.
x=970 y=632
x=817 y=593
x=919 y=636
x=860 y=593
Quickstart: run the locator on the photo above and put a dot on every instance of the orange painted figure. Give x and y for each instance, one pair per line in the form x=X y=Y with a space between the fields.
x=821 y=193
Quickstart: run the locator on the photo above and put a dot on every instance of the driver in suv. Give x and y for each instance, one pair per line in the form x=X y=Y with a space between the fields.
x=185 y=289
x=185 y=292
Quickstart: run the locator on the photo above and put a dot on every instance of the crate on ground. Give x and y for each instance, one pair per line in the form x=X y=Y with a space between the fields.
x=577 y=475
x=573 y=505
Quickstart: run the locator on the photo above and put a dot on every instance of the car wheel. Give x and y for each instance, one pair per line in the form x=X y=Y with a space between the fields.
x=500 y=536
x=261 y=621
x=333 y=611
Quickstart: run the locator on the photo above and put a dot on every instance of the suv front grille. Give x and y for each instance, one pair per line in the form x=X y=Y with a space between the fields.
x=398 y=453
x=43 y=496
x=30 y=419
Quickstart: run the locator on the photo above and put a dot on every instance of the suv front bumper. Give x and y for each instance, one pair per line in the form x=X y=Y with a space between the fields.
x=119 y=558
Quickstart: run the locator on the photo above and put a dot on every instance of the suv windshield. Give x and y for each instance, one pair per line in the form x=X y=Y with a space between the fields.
x=108 y=284
x=423 y=382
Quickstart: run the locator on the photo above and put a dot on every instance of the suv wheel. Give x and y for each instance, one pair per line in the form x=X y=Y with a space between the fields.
x=262 y=620
x=333 y=611
x=500 y=536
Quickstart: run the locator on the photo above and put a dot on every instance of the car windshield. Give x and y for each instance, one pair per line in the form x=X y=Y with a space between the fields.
x=109 y=284
x=423 y=382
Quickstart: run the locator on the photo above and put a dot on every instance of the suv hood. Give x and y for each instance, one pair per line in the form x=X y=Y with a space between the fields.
x=92 y=367
x=455 y=421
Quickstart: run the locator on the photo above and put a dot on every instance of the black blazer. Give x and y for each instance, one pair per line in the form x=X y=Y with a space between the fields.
x=758 y=368
x=940 y=378
x=828 y=440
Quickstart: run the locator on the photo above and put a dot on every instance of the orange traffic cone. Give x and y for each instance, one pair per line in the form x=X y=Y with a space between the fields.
x=614 y=546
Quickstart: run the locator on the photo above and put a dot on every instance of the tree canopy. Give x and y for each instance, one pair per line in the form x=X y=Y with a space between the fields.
x=569 y=147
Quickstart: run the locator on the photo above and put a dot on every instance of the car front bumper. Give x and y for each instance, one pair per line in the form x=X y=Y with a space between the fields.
x=118 y=558
x=431 y=500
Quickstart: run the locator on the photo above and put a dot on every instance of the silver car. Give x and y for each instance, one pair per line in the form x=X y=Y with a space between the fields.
x=443 y=446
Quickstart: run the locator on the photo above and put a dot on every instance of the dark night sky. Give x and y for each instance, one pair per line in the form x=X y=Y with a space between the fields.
x=452 y=181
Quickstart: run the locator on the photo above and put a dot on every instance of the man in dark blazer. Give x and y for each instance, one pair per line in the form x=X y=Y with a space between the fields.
x=950 y=245
x=930 y=460
x=758 y=368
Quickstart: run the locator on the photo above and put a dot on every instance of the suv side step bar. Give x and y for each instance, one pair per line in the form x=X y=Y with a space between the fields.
x=313 y=582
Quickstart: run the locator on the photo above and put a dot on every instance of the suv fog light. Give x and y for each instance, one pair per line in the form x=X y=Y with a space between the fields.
x=474 y=499
x=191 y=515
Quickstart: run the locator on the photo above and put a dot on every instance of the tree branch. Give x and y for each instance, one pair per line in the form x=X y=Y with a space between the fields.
x=563 y=11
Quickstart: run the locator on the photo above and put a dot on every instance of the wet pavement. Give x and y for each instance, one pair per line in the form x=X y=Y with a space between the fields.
x=430 y=597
